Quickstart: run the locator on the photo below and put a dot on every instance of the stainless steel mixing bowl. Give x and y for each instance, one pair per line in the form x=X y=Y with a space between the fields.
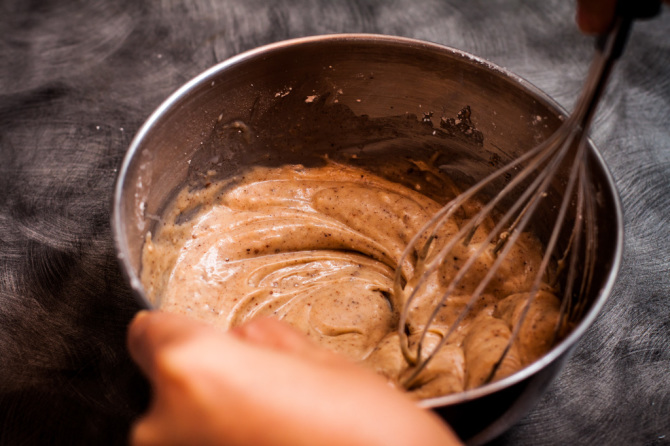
x=371 y=100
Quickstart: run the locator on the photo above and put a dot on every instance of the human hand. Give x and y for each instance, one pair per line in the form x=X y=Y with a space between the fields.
x=264 y=384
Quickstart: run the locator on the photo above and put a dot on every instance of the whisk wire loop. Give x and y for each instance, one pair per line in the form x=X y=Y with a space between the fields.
x=532 y=195
x=541 y=154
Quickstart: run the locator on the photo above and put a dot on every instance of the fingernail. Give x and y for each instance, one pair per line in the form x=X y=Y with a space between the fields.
x=141 y=315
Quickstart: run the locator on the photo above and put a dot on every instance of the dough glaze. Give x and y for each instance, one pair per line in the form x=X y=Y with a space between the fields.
x=317 y=247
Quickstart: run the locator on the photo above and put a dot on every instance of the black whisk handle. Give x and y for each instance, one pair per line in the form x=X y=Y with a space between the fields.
x=638 y=9
x=626 y=12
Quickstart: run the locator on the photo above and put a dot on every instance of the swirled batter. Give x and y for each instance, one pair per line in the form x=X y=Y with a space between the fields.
x=317 y=247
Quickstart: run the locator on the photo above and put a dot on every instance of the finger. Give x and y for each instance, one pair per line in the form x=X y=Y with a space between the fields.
x=150 y=331
x=143 y=434
x=595 y=16
x=274 y=334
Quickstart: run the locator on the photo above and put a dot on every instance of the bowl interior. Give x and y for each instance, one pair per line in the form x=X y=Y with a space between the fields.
x=373 y=101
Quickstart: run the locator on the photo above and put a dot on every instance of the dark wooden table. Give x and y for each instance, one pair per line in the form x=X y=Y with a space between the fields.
x=77 y=79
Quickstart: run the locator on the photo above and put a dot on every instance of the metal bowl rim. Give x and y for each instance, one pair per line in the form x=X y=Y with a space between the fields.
x=121 y=242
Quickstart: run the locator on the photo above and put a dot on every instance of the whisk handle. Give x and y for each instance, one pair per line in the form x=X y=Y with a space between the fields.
x=638 y=9
x=626 y=12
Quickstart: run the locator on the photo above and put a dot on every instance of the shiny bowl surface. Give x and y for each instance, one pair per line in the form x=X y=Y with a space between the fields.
x=373 y=96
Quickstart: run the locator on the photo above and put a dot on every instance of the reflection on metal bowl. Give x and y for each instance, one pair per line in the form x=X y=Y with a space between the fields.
x=369 y=98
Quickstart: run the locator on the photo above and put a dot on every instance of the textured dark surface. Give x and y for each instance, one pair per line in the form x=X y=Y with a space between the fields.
x=78 y=78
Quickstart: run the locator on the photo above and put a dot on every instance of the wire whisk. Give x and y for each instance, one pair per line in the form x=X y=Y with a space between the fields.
x=565 y=266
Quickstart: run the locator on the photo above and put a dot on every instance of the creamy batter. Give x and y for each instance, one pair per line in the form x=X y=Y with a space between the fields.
x=317 y=248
